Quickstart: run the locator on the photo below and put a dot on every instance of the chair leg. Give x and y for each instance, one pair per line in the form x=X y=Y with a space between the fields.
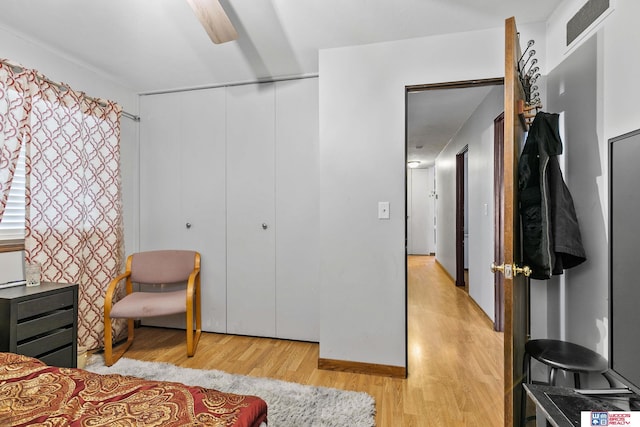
x=193 y=334
x=111 y=357
x=193 y=337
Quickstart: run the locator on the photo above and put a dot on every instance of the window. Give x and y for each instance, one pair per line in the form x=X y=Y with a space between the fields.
x=12 y=224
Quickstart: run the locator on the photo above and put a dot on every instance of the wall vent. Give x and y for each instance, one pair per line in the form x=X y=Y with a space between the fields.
x=586 y=16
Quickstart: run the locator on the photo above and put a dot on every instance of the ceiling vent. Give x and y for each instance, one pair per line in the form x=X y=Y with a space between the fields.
x=586 y=16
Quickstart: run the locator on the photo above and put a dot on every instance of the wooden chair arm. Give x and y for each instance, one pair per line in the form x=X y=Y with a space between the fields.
x=192 y=281
x=111 y=290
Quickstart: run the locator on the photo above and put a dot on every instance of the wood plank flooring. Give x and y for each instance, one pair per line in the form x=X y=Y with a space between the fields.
x=455 y=358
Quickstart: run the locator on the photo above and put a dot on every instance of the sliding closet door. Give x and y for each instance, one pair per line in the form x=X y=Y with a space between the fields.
x=297 y=210
x=251 y=210
x=182 y=189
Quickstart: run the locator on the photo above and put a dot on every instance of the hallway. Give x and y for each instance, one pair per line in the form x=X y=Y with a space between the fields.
x=455 y=356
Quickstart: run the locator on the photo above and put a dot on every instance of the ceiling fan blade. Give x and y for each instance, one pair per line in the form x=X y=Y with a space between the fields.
x=214 y=20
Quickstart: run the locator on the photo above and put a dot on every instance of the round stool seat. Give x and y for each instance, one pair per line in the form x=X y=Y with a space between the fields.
x=566 y=356
x=563 y=355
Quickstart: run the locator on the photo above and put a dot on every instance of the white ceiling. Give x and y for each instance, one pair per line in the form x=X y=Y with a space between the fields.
x=434 y=117
x=158 y=45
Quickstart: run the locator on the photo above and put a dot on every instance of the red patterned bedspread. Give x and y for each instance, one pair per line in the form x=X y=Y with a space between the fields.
x=34 y=394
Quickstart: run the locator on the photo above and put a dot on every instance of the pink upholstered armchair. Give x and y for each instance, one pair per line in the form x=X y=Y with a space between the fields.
x=154 y=267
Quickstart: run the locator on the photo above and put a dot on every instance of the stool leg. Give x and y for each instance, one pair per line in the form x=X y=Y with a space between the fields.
x=576 y=379
x=610 y=380
x=552 y=376
x=526 y=361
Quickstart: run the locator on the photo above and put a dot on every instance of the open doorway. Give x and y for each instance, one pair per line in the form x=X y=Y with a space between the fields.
x=444 y=120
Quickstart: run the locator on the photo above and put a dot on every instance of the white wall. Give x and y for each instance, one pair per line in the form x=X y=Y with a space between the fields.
x=478 y=134
x=362 y=120
x=594 y=85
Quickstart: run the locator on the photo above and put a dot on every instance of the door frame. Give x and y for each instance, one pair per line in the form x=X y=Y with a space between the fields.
x=461 y=210
x=497 y=81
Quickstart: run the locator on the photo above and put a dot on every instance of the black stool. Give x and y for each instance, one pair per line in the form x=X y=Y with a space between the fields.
x=563 y=355
x=566 y=356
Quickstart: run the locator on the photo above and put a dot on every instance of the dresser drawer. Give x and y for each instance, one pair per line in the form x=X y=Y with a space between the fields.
x=41 y=325
x=62 y=358
x=46 y=343
x=44 y=304
x=40 y=321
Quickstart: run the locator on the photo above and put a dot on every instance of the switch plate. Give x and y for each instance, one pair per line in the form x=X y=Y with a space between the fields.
x=383 y=210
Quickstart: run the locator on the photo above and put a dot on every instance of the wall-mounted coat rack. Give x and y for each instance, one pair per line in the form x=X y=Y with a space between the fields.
x=528 y=73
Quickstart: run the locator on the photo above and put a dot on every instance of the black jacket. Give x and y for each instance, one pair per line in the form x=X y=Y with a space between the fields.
x=551 y=240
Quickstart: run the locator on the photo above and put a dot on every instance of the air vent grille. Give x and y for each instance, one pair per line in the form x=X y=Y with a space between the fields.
x=591 y=11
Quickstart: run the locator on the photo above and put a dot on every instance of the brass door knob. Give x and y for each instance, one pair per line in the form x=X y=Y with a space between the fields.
x=522 y=270
x=495 y=268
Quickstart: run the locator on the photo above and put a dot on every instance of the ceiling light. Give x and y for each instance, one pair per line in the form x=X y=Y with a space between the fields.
x=413 y=164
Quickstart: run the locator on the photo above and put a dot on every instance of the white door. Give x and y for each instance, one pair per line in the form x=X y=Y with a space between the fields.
x=420 y=211
x=203 y=197
x=182 y=191
x=160 y=220
x=251 y=223
x=297 y=210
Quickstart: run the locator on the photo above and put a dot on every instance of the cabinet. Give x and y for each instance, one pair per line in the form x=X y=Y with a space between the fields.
x=41 y=322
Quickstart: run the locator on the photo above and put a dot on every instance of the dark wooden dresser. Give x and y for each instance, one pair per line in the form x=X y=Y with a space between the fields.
x=41 y=321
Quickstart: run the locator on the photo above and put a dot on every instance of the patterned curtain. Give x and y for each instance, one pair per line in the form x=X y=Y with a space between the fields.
x=15 y=104
x=74 y=214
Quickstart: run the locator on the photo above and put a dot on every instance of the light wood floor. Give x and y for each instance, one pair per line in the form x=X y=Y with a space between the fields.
x=455 y=359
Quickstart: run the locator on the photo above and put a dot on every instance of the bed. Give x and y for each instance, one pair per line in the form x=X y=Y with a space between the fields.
x=34 y=394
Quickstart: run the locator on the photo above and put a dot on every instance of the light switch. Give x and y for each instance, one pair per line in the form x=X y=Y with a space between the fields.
x=383 y=210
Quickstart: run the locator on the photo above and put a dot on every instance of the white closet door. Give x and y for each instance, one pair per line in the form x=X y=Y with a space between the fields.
x=182 y=169
x=251 y=224
x=297 y=207
x=202 y=197
x=160 y=224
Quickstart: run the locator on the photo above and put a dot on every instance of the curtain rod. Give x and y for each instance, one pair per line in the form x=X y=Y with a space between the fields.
x=20 y=68
x=230 y=84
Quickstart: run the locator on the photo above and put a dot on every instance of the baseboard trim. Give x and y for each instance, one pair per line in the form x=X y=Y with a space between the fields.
x=362 y=368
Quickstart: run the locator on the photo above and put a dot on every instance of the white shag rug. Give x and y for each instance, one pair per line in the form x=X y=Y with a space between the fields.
x=288 y=404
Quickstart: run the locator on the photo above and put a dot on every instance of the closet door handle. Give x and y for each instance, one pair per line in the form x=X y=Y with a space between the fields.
x=265 y=226
x=188 y=225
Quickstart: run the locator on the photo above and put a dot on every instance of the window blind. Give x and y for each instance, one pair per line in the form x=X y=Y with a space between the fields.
x=12 y=224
